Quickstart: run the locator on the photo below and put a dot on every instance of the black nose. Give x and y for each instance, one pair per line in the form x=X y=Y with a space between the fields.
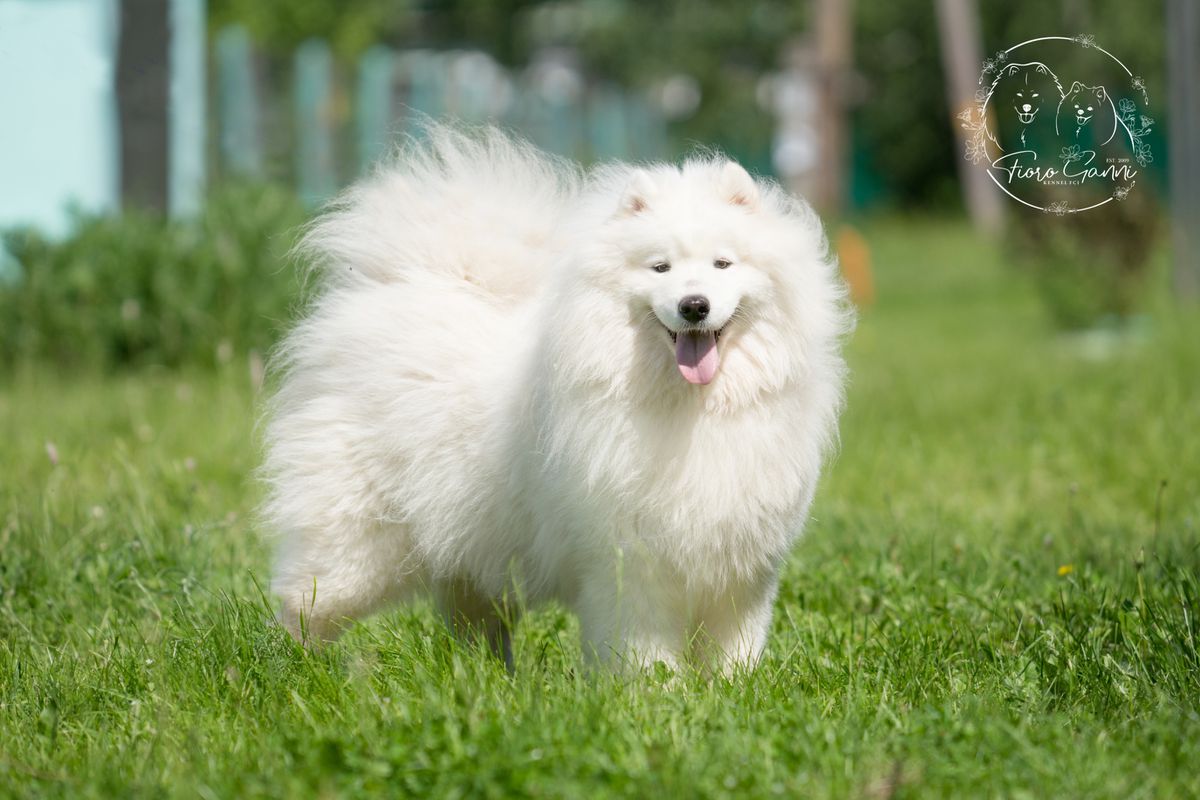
x=694 y=307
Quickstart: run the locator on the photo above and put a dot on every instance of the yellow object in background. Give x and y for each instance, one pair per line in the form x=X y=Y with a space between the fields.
x=854 y=255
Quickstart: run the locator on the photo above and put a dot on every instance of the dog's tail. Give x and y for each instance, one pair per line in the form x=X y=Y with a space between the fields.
x=477 y=205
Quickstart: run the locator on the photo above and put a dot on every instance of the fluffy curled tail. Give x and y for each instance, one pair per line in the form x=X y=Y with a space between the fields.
x=477 y=206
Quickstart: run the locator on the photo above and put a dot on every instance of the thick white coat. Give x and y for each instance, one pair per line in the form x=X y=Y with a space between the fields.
x=483 y=401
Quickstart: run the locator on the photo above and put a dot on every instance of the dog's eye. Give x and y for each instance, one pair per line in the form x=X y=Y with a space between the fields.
x=722 y=263
x=661 y=266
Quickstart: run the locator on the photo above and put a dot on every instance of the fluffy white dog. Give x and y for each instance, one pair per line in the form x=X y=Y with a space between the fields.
x=520 y=380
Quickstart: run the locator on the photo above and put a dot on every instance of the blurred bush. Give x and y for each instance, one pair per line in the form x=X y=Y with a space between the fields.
x=1090 y=269
x=137 y=290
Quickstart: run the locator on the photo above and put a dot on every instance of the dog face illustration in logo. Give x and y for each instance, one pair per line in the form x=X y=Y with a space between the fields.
x=1019 y=100
x=1086 y=113
x=1055 y=149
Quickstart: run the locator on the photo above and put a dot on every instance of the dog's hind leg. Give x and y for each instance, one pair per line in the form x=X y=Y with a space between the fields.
x=473 y=615
x=328 y=578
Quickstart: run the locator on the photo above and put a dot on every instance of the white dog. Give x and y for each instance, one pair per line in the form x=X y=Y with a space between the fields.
x=523 y=381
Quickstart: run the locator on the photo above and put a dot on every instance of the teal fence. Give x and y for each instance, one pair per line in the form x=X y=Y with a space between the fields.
x=318 y=124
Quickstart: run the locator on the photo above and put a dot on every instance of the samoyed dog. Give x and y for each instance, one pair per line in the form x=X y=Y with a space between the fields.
x=522 y=381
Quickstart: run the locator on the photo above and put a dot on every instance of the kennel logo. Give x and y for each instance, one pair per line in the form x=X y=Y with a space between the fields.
x=1048 y=130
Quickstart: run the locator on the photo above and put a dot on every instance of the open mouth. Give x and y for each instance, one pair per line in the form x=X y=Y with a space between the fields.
x=1083 y=120
x=696 y=353
x=1025 y=117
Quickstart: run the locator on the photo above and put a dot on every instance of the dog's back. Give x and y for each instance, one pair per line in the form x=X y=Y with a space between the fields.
x=387 y=389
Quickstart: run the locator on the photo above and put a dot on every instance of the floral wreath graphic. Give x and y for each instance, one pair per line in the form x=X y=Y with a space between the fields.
x=1136 y=125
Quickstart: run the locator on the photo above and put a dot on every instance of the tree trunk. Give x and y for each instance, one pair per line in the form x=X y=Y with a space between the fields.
x=962 y=57
x=142 y=102
x=832 y=29
x=1183 y=74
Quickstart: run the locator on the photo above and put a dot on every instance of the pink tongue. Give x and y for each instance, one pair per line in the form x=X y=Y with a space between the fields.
x=697 y=357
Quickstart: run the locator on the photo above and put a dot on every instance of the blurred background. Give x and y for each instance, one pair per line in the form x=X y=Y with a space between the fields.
x=158 y=156
x=999 y=590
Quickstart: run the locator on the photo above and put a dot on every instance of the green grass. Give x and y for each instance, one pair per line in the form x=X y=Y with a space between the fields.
x=997 y=596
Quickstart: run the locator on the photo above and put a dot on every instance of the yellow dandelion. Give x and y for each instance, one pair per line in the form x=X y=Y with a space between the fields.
x=1066 y=569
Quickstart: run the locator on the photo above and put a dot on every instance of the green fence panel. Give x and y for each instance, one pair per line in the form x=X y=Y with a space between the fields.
x=239 y=129
x=375 y=112
x=607 y=124
x=312 y=92
x=186 y=125
x=424 y=77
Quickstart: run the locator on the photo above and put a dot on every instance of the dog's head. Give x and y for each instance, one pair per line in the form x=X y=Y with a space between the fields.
x=1081 y=103
x=1017 y=95
x=1027 y=85
x=722 y=285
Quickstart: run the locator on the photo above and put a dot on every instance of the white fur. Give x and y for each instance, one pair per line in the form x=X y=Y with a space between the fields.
x=483 y=401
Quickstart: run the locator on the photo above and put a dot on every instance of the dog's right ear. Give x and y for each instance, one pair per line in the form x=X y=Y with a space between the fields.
x=637 y=194
x=1075 y=87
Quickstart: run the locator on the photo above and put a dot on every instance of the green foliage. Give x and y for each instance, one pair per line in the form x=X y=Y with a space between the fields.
x=1133 y=32
x=136 y=289
x=901 y=120
x=1093 y=267
x=997 y=596
x=281 y=25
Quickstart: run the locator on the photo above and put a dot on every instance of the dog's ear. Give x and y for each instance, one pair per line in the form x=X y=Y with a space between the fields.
x=637 y=194
x=738 y=187
x=1075 y=87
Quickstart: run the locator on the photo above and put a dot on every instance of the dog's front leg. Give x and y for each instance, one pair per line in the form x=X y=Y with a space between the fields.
x=734 y=625
x=630 y=616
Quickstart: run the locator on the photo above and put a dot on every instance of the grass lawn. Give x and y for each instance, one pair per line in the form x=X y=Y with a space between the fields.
x=998 y=595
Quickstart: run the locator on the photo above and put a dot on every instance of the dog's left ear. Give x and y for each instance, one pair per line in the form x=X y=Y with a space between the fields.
x=738 y=187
